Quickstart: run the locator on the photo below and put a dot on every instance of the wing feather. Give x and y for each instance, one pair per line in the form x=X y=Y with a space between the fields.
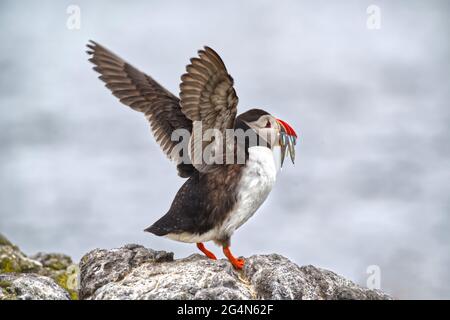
x=207 y=95
x=142 y=93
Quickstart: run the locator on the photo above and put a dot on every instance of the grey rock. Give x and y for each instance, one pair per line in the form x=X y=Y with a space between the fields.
x=30 y=287
x=14 y=260
x=102 y=267
x=53 y=261
x=56 y=266
x=60 y=268
x=4 y=241
x=134 y=272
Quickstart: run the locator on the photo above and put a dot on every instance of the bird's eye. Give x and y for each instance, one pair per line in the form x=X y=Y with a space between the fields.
x=268 y=124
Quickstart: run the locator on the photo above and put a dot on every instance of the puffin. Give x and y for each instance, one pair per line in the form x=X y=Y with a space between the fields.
x=217 y=197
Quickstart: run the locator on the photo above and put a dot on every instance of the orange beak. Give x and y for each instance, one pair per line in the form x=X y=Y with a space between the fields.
x=288 y=129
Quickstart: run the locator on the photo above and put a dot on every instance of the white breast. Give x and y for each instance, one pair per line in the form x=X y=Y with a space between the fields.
x=256 y=183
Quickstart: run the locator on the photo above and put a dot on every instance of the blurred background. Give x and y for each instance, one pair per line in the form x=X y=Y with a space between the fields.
x=370 y=186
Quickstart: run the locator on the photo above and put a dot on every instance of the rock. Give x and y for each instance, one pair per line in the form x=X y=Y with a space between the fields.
x=30 y=287
x=4 y=241
x=53 y=261
x=14 y=260
x=60 y=268
x=56 y=268
x=134 y=272
x=275 y=277
x=101 y=267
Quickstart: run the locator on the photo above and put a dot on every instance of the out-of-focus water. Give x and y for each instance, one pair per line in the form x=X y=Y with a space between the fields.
x=371 y=184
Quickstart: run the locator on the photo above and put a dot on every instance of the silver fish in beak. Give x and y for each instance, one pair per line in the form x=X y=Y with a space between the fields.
x=287 y=140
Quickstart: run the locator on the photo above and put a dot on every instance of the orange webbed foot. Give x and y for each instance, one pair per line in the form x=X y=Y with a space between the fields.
x=237 y=263
x=207 y=253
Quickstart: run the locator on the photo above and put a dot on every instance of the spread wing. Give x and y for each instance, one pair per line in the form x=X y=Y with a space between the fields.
x=142 y=93
x=207 y=95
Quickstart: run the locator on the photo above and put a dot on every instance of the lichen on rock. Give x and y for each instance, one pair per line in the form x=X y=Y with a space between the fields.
x=58 y=267
x=54 y=267
x=134 y=272
x=4 y=241
x=14 y=260
x=15 y=286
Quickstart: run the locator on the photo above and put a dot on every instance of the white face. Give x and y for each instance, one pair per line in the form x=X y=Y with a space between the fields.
x=267 y=127
x=277 y=133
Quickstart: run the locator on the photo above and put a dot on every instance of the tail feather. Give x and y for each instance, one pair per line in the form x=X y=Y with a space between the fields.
x=157 y=231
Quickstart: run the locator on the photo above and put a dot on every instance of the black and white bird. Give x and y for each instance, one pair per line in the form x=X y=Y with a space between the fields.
x=217 y=198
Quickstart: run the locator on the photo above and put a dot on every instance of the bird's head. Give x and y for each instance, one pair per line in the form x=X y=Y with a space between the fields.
x=273 y=132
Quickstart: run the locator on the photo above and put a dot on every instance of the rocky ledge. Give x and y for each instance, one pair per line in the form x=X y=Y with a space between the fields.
x=135 y=272
x=43 y=276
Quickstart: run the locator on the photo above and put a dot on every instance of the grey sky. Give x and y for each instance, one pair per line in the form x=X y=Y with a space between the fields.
x=371 y=182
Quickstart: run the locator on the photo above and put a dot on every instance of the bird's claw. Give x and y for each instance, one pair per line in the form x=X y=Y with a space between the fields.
x=238 y=263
